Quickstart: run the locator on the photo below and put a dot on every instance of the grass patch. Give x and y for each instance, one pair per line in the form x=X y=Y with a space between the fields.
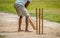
x=1 y=36
x=8 y=6
x=50 y=15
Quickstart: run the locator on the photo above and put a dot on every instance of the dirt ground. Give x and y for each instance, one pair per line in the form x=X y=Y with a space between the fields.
x=9 y=26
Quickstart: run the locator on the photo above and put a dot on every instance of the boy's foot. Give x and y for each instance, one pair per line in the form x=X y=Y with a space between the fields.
x=27 y=31
x=20 y=30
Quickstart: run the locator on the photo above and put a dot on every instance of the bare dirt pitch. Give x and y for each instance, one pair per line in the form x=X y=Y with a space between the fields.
x=9 y=26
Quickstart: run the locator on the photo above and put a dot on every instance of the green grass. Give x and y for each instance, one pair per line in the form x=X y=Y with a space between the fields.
x=2 y=36
x=8 y=6
x=51 y=15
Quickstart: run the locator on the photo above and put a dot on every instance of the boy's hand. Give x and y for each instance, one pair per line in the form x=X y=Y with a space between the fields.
x=26 y=5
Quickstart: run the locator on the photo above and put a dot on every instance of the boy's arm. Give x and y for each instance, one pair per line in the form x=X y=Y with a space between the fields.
x=26 y=5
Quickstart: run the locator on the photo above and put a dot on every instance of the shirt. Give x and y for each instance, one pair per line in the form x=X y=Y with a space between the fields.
x=22 y=2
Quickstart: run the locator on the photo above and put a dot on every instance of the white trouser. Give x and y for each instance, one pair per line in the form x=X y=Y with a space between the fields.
x=21 y=10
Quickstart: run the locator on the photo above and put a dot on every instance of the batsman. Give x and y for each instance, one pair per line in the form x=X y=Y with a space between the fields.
x=21 y=9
